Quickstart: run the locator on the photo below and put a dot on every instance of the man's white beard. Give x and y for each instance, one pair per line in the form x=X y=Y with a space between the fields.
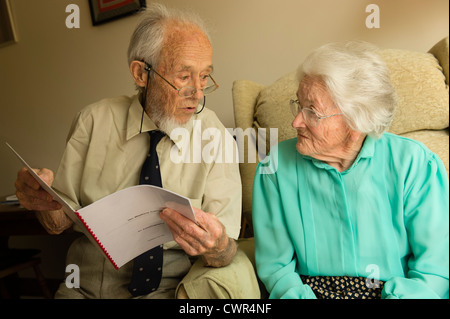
x=166 y=123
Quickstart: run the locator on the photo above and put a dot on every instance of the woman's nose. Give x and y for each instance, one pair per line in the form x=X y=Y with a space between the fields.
x=299 y=121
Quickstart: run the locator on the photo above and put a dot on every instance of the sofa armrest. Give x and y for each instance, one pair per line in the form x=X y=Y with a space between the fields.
x=245 y=95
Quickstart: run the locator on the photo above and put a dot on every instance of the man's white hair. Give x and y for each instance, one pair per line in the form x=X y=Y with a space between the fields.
x=148 y=37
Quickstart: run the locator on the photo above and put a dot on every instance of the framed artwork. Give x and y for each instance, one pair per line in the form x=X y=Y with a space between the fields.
x=7 y=31
x=106 y=10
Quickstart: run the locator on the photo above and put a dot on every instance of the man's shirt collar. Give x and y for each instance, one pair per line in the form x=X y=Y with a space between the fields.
x=134 y=119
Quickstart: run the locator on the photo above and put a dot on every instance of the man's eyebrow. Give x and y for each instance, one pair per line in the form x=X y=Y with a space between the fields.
x=188 y=68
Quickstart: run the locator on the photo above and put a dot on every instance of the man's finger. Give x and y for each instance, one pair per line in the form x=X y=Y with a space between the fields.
x=36 y=203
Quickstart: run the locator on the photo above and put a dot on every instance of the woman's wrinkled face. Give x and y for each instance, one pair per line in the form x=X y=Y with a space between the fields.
x=329 y=138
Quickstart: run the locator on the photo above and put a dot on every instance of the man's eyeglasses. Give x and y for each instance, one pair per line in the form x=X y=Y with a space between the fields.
x=310 y=117
x=186 y=91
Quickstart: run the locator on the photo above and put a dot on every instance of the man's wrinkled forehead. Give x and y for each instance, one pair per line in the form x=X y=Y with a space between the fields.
x=185 y=43
x=189 y=68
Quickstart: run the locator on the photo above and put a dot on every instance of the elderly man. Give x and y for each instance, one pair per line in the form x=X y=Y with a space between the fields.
x=351 y=211
x=170 y=58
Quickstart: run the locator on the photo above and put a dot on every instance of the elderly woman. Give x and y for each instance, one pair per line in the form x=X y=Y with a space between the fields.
x=350 y=211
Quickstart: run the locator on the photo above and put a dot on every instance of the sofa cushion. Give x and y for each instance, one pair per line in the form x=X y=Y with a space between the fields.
x=421 y=89
x=417 y=77
x=272 y=107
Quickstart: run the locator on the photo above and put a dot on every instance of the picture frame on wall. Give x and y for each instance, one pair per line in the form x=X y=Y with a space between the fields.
x=7 y=30
x=107 y=10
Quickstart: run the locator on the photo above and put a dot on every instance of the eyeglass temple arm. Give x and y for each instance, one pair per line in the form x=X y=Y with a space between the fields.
x=215 y=83
x=327 y=116
x=148 y=67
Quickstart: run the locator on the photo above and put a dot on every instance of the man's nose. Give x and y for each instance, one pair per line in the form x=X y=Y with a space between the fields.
x=198 y=89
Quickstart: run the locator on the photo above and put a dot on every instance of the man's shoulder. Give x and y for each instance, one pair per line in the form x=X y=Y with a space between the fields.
x=102 y=114
x=108 y=105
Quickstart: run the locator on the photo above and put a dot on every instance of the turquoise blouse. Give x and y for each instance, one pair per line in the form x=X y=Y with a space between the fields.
x=385 y=218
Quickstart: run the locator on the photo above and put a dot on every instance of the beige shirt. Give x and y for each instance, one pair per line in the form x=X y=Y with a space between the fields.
x=105 y=153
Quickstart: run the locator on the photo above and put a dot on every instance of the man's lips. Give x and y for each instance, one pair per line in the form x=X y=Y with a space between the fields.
x=188 y=109
x=190 y=105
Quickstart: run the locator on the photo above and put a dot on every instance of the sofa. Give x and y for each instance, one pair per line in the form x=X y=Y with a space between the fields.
x=421 y=80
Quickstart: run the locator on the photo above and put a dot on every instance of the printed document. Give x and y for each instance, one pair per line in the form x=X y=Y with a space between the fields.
x=127 y=223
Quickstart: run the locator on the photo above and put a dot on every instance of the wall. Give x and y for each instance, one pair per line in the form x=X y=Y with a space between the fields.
x=53 y=71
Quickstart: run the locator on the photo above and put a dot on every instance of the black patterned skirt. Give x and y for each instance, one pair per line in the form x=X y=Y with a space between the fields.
x=344 y=287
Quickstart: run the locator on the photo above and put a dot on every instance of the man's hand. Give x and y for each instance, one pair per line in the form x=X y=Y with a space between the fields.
x=33 y=197
x=208 y=239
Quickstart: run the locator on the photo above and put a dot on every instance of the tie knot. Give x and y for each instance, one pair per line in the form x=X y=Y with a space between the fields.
x=156 y=136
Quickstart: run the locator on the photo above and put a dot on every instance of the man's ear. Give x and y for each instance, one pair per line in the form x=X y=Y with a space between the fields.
x=139 y=73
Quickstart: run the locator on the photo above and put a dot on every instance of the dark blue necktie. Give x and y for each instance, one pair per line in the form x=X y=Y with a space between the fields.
x=147 y=268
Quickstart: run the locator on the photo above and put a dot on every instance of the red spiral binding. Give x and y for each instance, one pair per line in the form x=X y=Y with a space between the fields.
x=97 y=240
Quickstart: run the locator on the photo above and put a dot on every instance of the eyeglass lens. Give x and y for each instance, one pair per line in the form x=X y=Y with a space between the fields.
x=189 y=91
x=309 y=116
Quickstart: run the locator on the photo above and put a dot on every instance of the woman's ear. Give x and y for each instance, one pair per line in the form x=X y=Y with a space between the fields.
x=139 y=73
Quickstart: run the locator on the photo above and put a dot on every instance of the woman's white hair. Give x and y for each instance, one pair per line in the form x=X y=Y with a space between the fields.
x=359 y=83
x=148 y=37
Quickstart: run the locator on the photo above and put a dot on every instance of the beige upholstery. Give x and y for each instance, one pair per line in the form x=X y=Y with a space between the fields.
x=421 y=81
